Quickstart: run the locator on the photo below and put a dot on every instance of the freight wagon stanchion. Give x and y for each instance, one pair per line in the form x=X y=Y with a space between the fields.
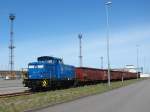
x=107 y=5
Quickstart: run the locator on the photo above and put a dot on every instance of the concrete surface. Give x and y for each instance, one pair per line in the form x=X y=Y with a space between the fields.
x=133 y=98
x=10 y=83
x=11 y=86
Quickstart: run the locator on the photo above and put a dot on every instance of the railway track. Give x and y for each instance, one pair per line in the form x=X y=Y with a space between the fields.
x=15 y=94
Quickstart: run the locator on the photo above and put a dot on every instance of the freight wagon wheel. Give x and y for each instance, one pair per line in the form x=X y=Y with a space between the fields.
x=76 y=83
x=44 y=83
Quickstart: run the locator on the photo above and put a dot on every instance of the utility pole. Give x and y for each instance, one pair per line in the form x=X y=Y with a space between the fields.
x=137 y=61
x=108 y=4
x=101 y=62
x=11 y=46
x=80 y=49
x=122 y=77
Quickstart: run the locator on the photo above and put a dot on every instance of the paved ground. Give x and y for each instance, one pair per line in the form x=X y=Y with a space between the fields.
x=11 y=86
x=133 y=98
x=11 y=83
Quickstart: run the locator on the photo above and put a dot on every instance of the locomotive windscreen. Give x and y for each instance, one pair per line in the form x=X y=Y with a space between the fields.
x=49 y=58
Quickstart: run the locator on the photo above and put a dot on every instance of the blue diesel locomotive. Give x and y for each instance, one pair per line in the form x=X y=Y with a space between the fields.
x=49 y=72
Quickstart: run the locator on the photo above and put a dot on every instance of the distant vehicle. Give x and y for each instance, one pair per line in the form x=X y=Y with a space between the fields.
x=7 y=78
x=51 y=72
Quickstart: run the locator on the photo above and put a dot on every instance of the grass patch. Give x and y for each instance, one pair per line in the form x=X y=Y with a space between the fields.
x=22 y=103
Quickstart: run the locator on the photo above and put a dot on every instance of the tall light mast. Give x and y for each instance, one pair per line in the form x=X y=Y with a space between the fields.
x=80 y=50
x=11 y=46
x=137 y=61
x=101 y=62
x=108 y=4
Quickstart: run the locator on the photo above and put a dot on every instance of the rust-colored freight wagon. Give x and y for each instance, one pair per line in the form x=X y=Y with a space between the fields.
x=130 y=75
x=85 y=74
x=116 y=75
x=90 y=74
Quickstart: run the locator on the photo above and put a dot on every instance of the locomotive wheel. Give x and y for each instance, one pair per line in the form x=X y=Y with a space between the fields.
x=76 y=83
x=44 y=83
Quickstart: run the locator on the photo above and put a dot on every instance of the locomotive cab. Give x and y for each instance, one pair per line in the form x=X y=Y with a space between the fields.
x=36 y=70
x=47 y=72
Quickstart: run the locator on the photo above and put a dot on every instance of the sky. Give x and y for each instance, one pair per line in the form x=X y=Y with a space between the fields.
x=51 y=27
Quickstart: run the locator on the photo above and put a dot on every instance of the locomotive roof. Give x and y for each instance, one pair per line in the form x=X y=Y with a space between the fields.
x=43 y=58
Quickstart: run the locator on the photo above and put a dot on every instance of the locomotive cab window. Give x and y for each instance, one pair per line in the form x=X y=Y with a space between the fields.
x=36 y=66
x=40 y=66
x=50 y=61
x=31 y=66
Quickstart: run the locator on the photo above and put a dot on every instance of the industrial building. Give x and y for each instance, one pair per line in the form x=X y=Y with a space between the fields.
x=5 y=74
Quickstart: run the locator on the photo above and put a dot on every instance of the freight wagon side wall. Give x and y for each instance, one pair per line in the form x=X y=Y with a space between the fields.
x=115 y=75
x=132 y=75
x=79 y=75
x=90 y=74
